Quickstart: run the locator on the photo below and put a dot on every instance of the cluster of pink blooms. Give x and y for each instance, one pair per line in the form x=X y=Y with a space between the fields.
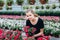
x=42 y=17
x=10 y=16
x=50 y=18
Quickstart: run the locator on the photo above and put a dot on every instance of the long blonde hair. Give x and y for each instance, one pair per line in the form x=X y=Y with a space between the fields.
x=33 y=12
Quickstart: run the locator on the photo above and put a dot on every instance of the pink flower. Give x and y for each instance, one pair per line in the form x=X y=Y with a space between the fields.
x=19 y=32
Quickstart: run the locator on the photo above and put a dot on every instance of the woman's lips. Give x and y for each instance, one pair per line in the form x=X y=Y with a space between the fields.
x=29 y=18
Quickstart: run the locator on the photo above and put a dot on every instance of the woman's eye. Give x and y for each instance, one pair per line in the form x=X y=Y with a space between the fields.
x=30 y=15
x=27 y=16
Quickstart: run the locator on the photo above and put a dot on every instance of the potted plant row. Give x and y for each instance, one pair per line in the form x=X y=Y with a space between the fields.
x=42 y=7
x=1 y=4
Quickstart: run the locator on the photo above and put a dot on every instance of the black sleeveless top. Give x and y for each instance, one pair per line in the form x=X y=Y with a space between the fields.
x=38 y=26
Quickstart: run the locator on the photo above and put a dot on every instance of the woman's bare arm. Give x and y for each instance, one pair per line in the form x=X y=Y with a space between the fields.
x=40 y=33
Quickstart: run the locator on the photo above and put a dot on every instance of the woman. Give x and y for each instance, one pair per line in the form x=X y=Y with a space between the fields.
x=33 y=20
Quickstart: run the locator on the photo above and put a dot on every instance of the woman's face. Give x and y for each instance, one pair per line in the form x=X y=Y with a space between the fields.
x=29 y=15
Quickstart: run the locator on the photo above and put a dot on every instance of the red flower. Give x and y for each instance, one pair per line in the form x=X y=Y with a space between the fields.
x=11 y=36
x=1 y=31
x=26 y=28
x=27 y=34
x=19 y=32
x=4 y=35
x=16 y=37
x=25 y=39
x=8 y=32
x=29 y=31
x=40 y=38
x=33 y=30
x=46 y=37
x=43 y=38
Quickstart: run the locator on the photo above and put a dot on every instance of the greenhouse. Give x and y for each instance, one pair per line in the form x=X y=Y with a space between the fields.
x=29 y=19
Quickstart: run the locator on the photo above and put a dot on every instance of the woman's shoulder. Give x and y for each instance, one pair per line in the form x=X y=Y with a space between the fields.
x=40 y=19
x=27 y=20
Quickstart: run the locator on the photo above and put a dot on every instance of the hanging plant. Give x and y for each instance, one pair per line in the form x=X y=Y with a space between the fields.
x=1 y=4
x=8 y=7
x=42 y=7
x=53 y=6
x=47 y=7
x=9 y=2
x=43 y=1
x=37 y=7
x=19 y=2
x=31 y=2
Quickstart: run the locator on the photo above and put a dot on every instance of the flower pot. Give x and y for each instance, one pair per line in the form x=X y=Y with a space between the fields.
x=43 y=1
x=31 y=2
